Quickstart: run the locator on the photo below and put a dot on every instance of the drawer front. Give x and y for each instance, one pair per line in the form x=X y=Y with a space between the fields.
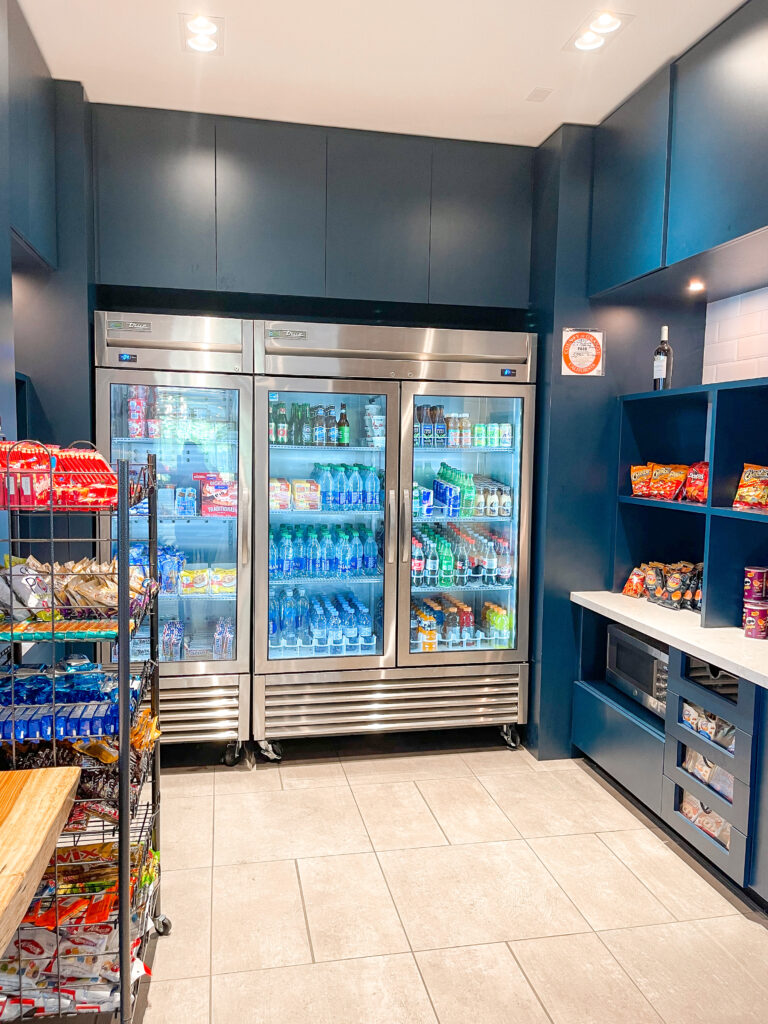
x=735 y=811
x=626 y=748
x=739 y=712
x=731 y=861
x=738 y=762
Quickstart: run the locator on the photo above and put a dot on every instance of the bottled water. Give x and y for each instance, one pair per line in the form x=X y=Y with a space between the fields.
x=343 y=556
x=339 y=488
x=356 y=561
x=326 y=489
x=354 y=490
x=364 y=626
x=274 y=620
x=327 y=556
x=335 y=632
x=349 y=626
x=288 y=617
x=371 y=490
x=299 y=555
x=302 y=614
x=285 y=556
x=370 y=555
x=273 y=560
x=313 y=555
x=319 y=629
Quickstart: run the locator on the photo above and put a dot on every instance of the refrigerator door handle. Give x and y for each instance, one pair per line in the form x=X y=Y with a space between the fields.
x=403 y=518
x=391 y=527
x=245 y=556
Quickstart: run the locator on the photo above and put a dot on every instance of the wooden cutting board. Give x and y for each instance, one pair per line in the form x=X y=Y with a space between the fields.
x=34 y=807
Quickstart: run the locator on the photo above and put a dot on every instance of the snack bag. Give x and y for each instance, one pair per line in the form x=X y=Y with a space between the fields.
x=641 y=479
x=697 y=483
x=635 y=585
x=675 y=586
x=655 y=582
x=667 y=481
x=752 y=493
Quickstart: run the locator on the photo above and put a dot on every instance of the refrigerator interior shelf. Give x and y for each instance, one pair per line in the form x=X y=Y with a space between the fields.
x=477 y=588
x=199 y=597
x=323 y=448
x=439 y=516
x=331 y=577
x=327 y=513
x=484 y=450
x=313 y=648
x=133 y=441
x=479 y=642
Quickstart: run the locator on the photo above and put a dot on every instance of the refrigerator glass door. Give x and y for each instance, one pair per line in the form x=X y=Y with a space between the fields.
x=198 y=426
x=326 y=523
x=465 y=478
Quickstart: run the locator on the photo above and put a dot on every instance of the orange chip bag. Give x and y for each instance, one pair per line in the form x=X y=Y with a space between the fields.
x=753 y=489
x=697 y=483
x=641 y=479
x=635 y=585
x=667 y=481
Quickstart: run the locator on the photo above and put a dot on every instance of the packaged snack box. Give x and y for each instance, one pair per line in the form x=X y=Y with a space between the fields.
x=279 y=494
x=218 y=496
x=306 y=495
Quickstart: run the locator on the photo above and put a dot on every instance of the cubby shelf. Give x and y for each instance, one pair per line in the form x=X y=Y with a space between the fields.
x=724 y=425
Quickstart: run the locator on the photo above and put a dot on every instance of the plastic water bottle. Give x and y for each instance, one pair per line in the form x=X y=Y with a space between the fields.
x=274 y=572
x=285 y=556
x=370 y=556
x=313 y=555
x=302 y=615
x=364 y=626
x=431 y=565
x=356 y=561
x=371 y=490
x=354 y=490
x=326 y=489
x=274 y=620
x=327 y=556
x=299 y=555
x=339 y=489
x=349 y=627
x=288 y=617
x=319 y=629
x=344 y=556
x=335 y=632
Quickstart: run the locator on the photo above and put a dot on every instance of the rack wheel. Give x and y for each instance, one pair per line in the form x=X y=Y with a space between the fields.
x=510 y=735
x=163 y=925
x=271 y=750
x=232 y=754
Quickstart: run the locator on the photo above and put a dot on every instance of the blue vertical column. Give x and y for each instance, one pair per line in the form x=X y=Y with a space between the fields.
x=7 y=367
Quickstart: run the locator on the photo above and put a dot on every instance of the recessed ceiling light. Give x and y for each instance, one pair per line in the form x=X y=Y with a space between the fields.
x=605 y=22
x=202 y=44
x=589 y=41
x=202 y=26
x=696 y=285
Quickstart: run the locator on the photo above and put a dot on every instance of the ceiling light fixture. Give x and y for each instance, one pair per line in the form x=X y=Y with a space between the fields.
x=696 y=285
x=202 y=26
x=589 y=41
x=201 y=34
x=605 y=23
x=202 y=44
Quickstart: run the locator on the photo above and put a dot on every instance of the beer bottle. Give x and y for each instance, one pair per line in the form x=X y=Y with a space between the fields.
x=343 y=427
x=306 y=425
x=272 y=424
x=281 y=425
x=331 y=427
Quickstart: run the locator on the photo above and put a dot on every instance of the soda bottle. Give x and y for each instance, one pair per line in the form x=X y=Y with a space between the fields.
x=343 y=556
x=331 y=427
x=371 y=490
x=446 y=566
x=355 y=490
x=427 y=427
x=299 y=555
x=294 y=425
x=342 y=437
x=274 y=564
x=281 y=425
x=356 y=561
x=490 y=565
x=370 y=555
x=339 y=489
x=466 y=430
x=326 y=489
x=417 y=563
x=461 y=563
x=272 y=424
x=313 y=555
x=274 y=619
x=468 y=496
x=416 y=501
x=306 y=425
x=441 y=430
x=504 y=564
x=318 y=428
x=431 y=565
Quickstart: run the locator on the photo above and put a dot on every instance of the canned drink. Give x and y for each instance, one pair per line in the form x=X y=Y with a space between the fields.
x=427 y=502
x=452 y=501
x=505 y=435
x=493 y=435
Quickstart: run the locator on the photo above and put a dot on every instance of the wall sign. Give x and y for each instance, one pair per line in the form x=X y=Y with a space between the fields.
x=583 y=353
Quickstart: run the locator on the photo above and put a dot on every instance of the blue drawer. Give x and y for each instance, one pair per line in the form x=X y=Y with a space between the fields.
x=739 y=712
x=737 y=812
x=622 y=737
x=733 y=861
x=738 y=763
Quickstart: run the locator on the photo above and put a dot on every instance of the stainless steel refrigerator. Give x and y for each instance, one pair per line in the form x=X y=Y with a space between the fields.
x=392 y=503
x=182 y=388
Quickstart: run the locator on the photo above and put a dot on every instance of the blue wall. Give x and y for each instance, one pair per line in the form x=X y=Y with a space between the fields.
x=7 y=368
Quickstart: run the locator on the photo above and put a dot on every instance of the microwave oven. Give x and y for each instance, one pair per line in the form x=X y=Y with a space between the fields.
x=638 y=667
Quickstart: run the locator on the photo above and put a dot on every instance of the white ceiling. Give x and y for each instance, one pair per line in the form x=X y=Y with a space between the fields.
x=454 y=68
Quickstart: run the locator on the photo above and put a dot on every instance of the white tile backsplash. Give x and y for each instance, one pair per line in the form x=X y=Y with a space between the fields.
x=736 y=338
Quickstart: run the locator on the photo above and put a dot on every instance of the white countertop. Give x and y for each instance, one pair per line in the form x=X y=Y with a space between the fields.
x=727 y=648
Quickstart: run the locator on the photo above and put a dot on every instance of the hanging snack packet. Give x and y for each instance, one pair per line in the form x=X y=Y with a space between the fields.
x=635 y=585
x=697 y=483
x=641 y=479
x=667 y=481
x=752 y=492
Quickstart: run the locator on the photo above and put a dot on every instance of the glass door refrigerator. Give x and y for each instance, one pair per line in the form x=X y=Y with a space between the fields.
x=199 y=425
x=409 y=449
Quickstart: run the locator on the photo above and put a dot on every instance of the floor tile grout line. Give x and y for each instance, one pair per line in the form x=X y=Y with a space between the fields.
x=494 y=801
x=629 y=976
x=532 y=987
x=558 y=884
x=663 y=924
x=432 y=813
x=304 y=909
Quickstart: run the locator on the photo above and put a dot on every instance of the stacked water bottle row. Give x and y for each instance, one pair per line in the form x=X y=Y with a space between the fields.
x=331 y=488
x=298 y=552
x=326 y=624
x=453 y=556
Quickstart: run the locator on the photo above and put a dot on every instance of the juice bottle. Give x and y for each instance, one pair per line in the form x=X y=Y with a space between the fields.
x=454 y=431
x=505 y=435
x=505 y=502
x=491 y=501
x=466 y=430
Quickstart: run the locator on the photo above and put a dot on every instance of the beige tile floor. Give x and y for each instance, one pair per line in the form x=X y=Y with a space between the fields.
x=401 y=880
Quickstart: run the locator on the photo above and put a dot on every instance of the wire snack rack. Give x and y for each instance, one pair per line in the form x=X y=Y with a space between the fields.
x=67 y=591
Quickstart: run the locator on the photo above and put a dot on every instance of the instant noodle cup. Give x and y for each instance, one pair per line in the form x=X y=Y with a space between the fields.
x=756 y=620
x=752 y=493
x=755 y=583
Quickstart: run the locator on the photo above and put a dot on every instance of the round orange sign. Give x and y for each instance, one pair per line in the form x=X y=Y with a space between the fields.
x=582 y=352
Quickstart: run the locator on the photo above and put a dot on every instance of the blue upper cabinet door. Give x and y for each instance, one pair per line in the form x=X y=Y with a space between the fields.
x=629 y=187
x=270 y=207
x=482 y=196
x=155 y=196
x=720 y=136
x=377 y=242
x=32 y=151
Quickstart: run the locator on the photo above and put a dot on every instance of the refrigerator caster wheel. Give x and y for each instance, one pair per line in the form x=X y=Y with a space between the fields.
x=232 y=754
x=162 y=925
x=271 y=750
x=511 y=736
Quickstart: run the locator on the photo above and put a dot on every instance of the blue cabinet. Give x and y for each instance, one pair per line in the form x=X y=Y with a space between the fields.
x=629 y=187
x=155 y=197
x=480 y=251
x=377 y=241
x=32 y=148
x=758 y=873
x=270 y=207
x=719 y=147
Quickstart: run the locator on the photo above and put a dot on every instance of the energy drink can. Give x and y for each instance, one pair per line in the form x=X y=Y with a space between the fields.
x=427 y=501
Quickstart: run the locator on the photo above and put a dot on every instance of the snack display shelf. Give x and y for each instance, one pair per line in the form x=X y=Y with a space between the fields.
x=684 y=506
x=740 y=513
x=329 y=578
x=477 y=588
x=324 y=449
x=422 y=452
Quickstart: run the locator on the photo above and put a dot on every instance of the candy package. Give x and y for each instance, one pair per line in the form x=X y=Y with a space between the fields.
x=752 y=493
x=667 y=481
x=697 y=483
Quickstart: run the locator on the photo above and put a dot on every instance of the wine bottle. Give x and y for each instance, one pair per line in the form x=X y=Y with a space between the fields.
x=663 y=358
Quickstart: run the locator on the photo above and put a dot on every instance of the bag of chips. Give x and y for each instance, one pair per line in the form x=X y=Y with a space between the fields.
x=635 y=585
x=641 y=479
x=752 y=493
x=697 y=483
x=655 y=582
x=667 y=481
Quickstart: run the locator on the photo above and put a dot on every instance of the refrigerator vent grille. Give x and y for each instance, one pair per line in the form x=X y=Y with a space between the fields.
x=200 y=714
